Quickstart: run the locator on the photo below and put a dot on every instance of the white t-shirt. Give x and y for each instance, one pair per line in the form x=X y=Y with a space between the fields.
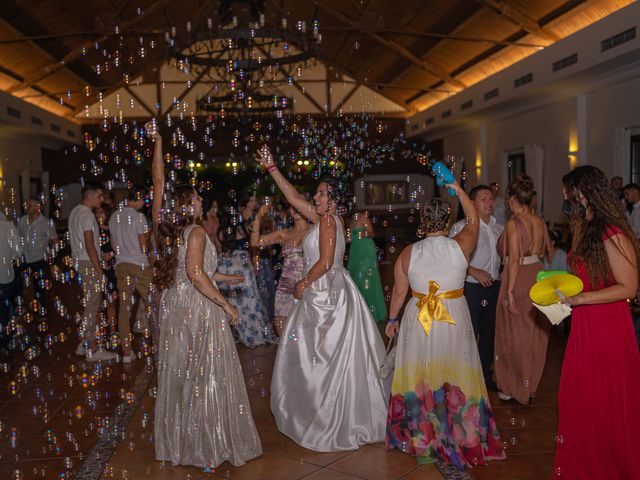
x=485 y=255
x=10 y=249
x=125 y=225
x=36 y=237
x=82 y=219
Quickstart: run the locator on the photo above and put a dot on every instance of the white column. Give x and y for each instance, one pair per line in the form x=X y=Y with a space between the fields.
x=582 y=112
x=484 y=154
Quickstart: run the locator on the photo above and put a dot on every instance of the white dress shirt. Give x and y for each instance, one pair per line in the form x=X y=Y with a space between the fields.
x=485 y=256
x=36 y=237
x=10 y=250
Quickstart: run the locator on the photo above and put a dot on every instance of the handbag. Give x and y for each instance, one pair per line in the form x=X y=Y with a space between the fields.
x=389 y=360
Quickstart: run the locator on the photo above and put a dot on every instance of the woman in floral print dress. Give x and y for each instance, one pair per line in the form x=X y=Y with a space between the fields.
x=439 y=408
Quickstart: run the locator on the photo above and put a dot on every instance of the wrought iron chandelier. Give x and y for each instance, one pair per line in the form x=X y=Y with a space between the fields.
x=243 y=57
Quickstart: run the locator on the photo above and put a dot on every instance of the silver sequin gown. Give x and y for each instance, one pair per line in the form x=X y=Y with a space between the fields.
x=325 y=390
x=202 y=414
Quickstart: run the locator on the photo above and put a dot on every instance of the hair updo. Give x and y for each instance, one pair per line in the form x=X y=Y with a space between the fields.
x=523 y=189
x=435 y=217
x=340 y=192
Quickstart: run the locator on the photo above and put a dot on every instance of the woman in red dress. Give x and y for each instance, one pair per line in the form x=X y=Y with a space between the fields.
x=599 y=398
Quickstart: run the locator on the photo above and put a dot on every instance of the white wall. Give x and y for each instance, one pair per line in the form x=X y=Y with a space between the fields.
x=611 y=107
x=16 y=155
x=575 y=109
x=554 y=126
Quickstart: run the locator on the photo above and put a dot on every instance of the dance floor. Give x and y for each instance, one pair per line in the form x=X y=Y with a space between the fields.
x=62 y=418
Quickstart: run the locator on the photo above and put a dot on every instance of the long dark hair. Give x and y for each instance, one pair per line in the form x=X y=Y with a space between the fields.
x=169 y=236
x=589 y=236
x=339 y=191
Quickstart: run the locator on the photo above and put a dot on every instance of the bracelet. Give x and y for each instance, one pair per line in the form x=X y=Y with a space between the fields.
x=271 y=167
x=393 y=320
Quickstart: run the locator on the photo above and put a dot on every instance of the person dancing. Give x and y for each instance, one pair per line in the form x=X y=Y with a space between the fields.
x=325 y=391
x=598 y=416
x=254 y=325
x=292 y=260
x=439 y=408
x=202 y=412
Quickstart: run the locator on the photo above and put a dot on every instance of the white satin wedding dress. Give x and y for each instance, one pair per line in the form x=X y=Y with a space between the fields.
x=325 y=390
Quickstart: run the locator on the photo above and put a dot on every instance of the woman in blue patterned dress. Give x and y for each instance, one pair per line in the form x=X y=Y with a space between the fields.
x=254 y=325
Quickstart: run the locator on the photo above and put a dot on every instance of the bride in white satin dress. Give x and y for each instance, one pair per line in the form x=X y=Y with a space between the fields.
x=325 y=390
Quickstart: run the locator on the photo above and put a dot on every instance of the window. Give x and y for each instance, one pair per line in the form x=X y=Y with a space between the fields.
x=635 y=159
x=491 y=94
x=516 y=165
x=528 y=78
x=446 y=113
x=565 y=62
x=385 y=193
x=466 y=105
x=13 y=112
x=618 y=39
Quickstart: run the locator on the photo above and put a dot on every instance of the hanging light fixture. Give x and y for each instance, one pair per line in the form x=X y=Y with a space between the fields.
x=244 y=57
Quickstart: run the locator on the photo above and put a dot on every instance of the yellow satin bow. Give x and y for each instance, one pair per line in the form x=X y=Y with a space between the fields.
x=431 y=308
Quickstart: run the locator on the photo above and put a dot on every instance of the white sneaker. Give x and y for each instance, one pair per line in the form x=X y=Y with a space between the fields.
x=80 y=350
x=504 y=397
x=129 y=358
x=100 y=355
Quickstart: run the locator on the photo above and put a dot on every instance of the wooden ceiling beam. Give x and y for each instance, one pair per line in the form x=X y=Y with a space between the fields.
x=47 y=70
x=332 y=63
x=520 y=19
x=346 y=98
x=140 y=101
x=295 y=84
x=186 y=91
x=412 y=33
x=397 y=48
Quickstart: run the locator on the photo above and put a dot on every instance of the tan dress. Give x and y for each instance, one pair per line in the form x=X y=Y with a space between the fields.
x=202 y=414
x=521 y=340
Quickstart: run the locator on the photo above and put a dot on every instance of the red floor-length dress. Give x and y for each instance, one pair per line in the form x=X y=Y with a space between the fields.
x=599 y=397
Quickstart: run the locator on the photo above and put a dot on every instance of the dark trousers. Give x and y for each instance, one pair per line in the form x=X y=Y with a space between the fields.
x=38 y=273
x=482 y=303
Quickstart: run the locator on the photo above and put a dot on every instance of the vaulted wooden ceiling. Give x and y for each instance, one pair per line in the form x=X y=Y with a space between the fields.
x=415 y=52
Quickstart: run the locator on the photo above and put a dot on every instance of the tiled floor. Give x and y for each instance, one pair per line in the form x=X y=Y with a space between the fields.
x=528 y=433
x=62 y=404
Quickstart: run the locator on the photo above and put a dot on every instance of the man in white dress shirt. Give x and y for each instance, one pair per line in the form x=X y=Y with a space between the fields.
x=482 y=285
x=38 y=237
x=500 y=210
x=129 y=238
x=632 y=196
x=10 y=253
x=84 y=236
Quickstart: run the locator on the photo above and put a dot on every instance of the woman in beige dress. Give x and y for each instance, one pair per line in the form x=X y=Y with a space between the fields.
x=522 y=333
x=202 y=414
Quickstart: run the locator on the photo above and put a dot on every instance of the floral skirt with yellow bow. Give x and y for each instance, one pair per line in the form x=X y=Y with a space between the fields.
x=439 y=408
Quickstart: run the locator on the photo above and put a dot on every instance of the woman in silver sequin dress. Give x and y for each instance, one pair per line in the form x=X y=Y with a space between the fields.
x=202 y=414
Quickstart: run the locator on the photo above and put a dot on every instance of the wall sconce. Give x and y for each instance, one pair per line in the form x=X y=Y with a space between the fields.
x=573 y=158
